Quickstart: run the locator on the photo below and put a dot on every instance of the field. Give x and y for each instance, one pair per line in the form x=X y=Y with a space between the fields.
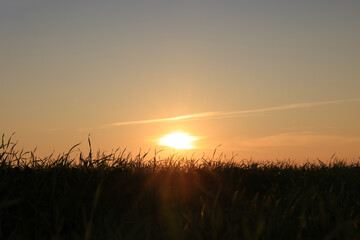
x=119 y=196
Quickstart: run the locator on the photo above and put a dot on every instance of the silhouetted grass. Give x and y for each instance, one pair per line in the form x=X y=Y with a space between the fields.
x=117 y=196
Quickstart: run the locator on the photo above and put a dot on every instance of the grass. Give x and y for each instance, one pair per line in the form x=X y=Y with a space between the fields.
x=117 y=196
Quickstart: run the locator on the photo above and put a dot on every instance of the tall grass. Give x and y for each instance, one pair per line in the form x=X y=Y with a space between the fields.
x=119 y=196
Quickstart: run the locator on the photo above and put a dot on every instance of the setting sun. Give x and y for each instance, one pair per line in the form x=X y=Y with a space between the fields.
x=178 y=140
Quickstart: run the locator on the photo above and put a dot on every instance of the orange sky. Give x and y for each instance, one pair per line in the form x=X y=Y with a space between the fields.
x=265 y=79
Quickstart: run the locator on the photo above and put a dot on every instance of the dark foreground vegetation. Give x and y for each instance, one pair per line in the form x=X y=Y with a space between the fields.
x=117 y=196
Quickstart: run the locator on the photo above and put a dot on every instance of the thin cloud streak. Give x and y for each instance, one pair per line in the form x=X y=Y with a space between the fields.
x=231 y=114
x=286 y=107
x=190 y=116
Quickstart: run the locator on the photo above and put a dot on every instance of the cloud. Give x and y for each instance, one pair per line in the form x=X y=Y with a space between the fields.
x=184 y=117
x=296 y=145
x=296 y=139
x=230 y=114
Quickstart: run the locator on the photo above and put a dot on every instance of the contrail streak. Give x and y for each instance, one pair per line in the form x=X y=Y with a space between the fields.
x=231 y=114
x=190 y=116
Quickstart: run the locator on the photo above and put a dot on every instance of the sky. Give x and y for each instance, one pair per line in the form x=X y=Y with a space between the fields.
x=265 y=79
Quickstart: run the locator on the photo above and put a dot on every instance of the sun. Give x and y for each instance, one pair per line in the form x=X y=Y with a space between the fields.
x=178 y=140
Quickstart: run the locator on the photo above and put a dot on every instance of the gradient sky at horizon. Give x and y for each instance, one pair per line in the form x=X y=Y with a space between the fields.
x=69 y=68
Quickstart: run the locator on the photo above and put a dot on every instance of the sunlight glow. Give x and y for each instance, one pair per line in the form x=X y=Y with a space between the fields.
x=178 y=140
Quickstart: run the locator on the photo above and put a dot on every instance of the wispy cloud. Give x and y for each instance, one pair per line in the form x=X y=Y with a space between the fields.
x=296 y=139
x=190 y=116
x=296 y=145
x=231 y=114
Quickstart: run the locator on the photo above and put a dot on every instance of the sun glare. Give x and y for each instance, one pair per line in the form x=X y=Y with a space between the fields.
x=178 y=140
